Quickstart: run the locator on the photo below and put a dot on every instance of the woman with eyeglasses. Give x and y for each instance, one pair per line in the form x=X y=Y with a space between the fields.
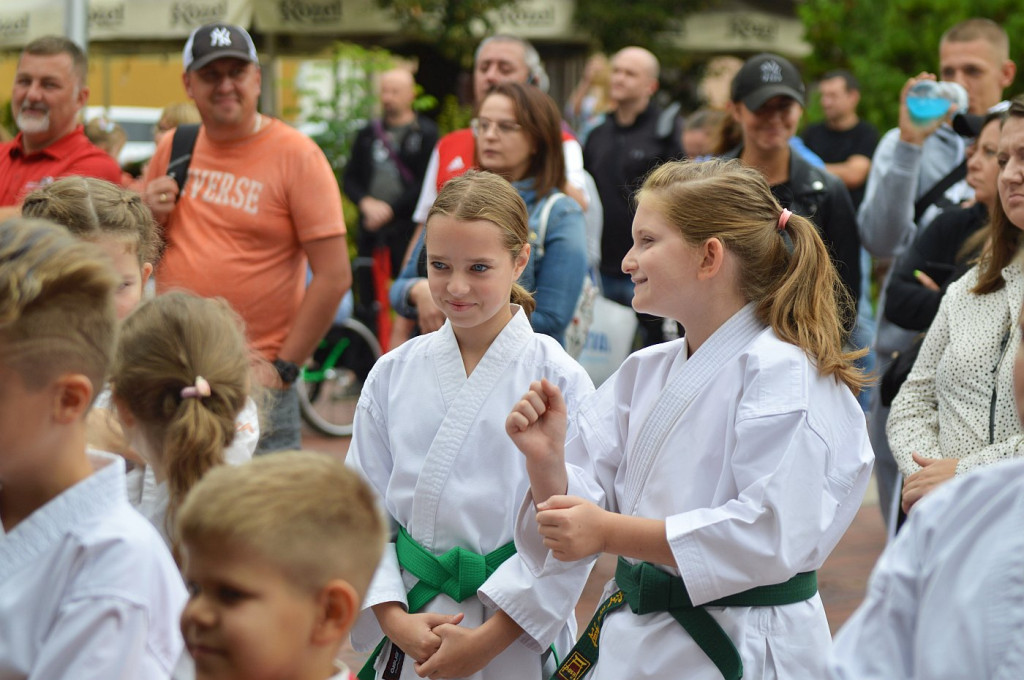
x=519 y=136
x=956 y=413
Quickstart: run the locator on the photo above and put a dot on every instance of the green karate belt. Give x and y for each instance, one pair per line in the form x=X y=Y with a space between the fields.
x=648 y=589
x=458 y=573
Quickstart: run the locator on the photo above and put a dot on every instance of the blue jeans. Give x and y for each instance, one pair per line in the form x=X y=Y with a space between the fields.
x=281 y=429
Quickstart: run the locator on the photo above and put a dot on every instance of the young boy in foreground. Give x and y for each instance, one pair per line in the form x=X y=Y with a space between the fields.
x=278 y=554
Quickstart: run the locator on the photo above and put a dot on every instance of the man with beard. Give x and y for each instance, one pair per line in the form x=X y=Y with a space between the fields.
x=49 y=91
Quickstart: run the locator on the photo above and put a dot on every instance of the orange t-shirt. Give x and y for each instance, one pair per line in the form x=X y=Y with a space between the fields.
x=239 y=227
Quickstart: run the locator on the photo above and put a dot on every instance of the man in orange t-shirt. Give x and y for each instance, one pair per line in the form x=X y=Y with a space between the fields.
x=260 y=201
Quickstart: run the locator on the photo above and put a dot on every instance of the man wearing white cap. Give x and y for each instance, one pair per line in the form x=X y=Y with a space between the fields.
x=260 y=200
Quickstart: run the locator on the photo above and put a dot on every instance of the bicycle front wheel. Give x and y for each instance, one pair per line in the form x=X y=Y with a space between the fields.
x=330 y=384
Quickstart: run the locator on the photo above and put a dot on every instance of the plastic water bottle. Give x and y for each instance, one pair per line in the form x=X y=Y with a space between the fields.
x=928 y=101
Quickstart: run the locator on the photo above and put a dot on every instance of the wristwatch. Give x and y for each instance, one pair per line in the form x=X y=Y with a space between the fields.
x=288 y=370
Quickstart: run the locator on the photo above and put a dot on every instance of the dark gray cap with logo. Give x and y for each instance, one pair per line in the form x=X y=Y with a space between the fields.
x=218 y=41
x=766 y=76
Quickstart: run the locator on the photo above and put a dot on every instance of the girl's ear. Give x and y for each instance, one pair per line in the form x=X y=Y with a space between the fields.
x=712 y=258
x=519 y=264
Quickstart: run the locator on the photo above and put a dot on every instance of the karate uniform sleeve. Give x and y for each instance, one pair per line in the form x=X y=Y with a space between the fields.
x=800 y=470
x=886 y=216
x=878 y=641
x=541 y=606
x=370 y=455
x=105 y=638
x=593 y=453
x=913 y=423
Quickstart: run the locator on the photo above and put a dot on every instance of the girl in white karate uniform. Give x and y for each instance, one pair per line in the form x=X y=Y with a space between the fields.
x=180 y=378
x=722 y=467
x=452 y=598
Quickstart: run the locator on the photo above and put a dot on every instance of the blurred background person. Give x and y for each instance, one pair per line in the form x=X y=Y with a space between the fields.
x=768 y=100
x=590 y=100
x=383 y=178
x=48 y=92
x=637 y=137
x=109 y=136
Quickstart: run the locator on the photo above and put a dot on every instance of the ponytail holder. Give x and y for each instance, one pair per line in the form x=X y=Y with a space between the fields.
x=198 y=391
x=784 y=219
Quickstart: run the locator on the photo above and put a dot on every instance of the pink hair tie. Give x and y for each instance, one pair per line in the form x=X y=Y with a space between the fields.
x=784 y=219
x=198 y=391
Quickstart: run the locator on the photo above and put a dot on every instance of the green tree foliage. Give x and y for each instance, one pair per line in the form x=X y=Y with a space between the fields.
x=884 y=42
x=349 y=105
x=615 y=24
x=455 y=26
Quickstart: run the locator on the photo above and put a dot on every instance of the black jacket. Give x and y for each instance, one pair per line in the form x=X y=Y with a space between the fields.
x=618 y=158
x=822 y=198
x=910 y=305
x=414 y=153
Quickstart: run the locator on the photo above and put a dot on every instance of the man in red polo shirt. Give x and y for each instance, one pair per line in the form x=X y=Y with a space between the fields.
x=49 y=91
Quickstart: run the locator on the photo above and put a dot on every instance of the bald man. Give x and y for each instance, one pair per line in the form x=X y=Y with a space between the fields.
x=384 y=174
x=619 y=153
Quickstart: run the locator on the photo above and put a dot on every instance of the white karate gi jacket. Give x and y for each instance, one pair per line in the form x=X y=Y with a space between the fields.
x=432 y=443
x=87 y=588
x=946 y=599
x=757 y=479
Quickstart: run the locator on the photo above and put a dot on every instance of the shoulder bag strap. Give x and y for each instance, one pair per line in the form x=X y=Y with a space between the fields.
x=933 y=194
x=182 y=144
x=542 y=221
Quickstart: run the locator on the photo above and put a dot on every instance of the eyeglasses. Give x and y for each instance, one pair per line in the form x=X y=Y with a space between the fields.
x=503 y=128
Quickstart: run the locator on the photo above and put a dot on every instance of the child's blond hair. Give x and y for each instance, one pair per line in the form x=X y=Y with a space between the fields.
x=56 y=303
x=93 y=208
x=166 y=345
x=303 y=512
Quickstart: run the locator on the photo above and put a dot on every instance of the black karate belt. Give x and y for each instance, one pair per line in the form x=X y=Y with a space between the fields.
x=648 y=589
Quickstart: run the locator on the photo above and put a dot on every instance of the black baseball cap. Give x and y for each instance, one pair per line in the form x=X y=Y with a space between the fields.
x=766 y=76
x=217 y=41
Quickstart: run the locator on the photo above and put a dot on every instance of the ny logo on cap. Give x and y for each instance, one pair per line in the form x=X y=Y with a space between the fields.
x=771 y=72
x=220 y=37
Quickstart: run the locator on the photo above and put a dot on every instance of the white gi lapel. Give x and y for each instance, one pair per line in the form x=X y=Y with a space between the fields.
x=94 y=496
x=675 y=398
x=463 y=399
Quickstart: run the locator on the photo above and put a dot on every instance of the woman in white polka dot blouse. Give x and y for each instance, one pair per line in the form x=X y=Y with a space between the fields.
x=956 y=410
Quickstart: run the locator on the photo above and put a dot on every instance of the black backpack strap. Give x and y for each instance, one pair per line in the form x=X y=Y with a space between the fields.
x=933 y=194
x=181 y=153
